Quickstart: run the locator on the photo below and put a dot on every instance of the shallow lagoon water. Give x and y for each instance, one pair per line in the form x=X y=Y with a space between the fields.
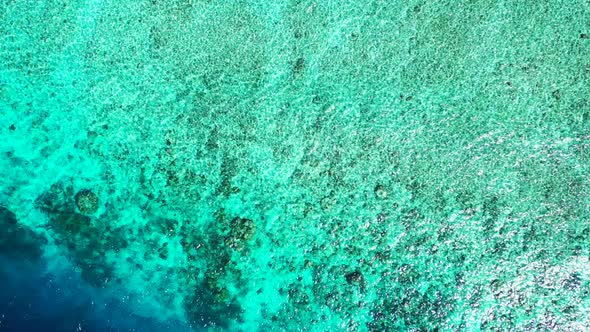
x=300 y=165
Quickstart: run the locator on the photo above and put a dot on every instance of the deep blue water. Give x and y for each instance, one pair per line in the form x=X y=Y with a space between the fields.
x=32 y=300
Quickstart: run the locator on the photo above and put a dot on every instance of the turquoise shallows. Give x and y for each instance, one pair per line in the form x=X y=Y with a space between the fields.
x=302 y=165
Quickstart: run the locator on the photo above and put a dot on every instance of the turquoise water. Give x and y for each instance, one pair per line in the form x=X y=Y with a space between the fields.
x=295 y=166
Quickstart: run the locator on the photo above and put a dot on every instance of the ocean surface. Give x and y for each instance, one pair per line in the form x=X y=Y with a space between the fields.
x=327 y=165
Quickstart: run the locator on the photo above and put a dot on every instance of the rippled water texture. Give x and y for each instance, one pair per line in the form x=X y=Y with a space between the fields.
x=302 y=165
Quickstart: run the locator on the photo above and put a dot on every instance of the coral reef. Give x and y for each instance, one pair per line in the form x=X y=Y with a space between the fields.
x=86 y=201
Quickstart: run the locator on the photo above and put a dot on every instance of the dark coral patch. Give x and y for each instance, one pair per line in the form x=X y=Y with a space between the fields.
x=86 y=201
x=242 y=230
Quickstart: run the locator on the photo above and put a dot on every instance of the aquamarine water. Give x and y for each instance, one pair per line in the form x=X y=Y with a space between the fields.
x=294 y=166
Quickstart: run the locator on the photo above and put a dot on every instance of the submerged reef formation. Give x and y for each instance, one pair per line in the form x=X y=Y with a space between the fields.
x=242 y=230
x=305 y=165
x=85 y=239
x=86 y=201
